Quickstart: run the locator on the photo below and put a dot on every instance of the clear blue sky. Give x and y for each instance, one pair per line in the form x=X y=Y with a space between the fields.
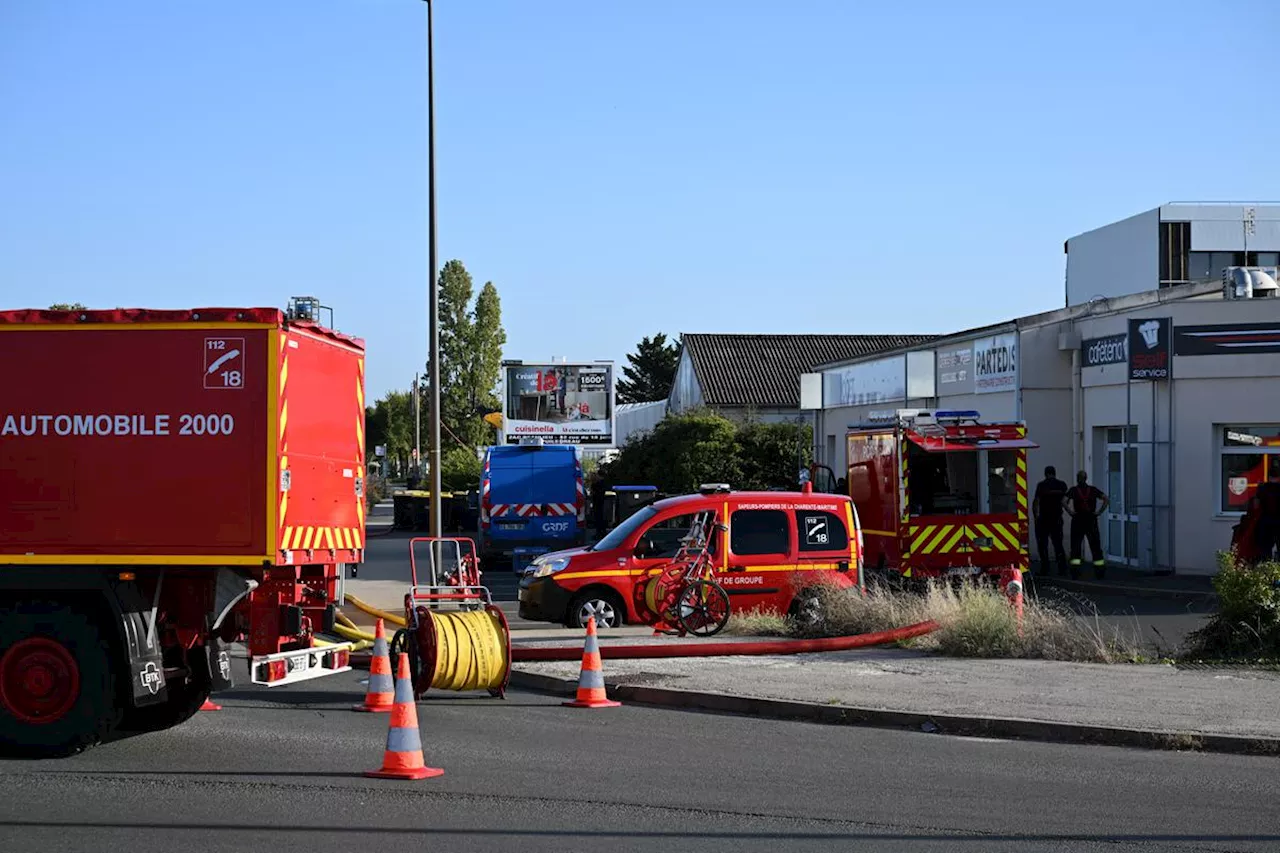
x=617 y=168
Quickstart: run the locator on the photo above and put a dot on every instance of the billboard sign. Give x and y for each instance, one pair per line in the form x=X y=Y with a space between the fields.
x=995 y=364
x=1149 y=349
x=567 y=403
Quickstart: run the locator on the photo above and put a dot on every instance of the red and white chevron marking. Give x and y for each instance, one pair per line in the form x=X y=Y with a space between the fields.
x=531 y=510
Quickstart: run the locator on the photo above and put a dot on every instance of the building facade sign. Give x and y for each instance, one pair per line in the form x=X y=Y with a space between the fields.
x=880 y=381
x=955 y=370
x=995 y=363
x=1234 y=339
x=1149 y=351
x=1113 y=349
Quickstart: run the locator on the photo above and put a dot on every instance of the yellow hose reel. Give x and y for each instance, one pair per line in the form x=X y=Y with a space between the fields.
x=457 y=650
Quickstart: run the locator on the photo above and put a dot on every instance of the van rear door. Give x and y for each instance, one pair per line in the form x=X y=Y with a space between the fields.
x=761 y=555
x=823 y=542
x=511 y=480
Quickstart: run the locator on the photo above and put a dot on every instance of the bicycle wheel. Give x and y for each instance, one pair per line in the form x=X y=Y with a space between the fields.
x=703 y=608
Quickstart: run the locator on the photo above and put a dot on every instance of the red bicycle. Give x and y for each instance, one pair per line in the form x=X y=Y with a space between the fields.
x=683 y=597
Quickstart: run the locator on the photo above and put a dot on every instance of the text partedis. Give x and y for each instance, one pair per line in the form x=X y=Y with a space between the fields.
x=995 y=363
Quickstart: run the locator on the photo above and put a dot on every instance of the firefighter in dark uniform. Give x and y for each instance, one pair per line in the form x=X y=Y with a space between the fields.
x=1267 y=531
x=1084 y=504
x=1046 y=507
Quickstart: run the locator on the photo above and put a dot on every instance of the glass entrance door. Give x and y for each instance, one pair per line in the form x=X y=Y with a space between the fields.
x=1120 y=521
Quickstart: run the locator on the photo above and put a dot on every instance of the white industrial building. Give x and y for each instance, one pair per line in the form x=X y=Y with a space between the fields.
x=1165 y=393
x=1173 y=244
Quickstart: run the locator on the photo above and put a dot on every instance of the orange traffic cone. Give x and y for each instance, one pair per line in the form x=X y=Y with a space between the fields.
x=591 y=678
x=210 y=706
x=381 y=693
x=403 y=757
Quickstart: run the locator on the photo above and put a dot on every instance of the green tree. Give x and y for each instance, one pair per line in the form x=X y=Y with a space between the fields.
x=459 y=470
x=471 y=341
x=771 y=455
x=686 y=450
x=68 y=306
x=390 y=422
x=650 y=370
x=485 y=359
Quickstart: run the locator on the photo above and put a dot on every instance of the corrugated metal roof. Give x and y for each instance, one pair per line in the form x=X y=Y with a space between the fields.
x=764 y=370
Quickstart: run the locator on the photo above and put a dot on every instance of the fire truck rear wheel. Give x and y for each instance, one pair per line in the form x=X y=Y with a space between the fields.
x=57 y=687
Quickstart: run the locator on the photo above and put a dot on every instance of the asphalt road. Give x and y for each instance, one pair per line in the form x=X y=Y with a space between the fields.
x=279 y=771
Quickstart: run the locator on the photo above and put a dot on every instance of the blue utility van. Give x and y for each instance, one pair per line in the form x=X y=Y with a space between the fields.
x=531 y=495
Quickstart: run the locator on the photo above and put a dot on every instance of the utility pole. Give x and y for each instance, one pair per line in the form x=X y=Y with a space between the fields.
x=433 y=297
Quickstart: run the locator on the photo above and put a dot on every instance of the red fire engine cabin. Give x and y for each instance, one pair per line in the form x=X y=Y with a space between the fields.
x=940 y=492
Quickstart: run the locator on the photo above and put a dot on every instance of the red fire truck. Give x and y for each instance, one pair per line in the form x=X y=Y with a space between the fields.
x=940 y=492
x=170 y=482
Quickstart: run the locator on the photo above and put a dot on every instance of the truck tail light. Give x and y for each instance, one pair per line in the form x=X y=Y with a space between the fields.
x=300 y=665
x=276 y=670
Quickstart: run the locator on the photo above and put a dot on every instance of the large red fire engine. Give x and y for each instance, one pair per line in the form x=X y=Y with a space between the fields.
x=940 y=492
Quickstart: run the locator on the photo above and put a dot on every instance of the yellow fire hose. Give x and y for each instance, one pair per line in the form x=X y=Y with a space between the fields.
x=354 y=634
x=357 y=646
x=470 y=651
x=373 y=611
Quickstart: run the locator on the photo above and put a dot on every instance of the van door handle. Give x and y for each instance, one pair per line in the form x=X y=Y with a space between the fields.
x=737 y=568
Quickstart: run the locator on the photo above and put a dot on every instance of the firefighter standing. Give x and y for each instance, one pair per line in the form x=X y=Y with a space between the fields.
x=1268 y=525
x=1046 y=506
x=1084 y=509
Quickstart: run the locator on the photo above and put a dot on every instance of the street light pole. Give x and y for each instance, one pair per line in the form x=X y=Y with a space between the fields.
x=433 y=297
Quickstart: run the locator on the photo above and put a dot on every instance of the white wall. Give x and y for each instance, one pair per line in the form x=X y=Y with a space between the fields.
x=686 y=393
x=1114 y=260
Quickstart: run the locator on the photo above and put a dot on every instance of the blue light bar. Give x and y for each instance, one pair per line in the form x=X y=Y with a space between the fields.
x=959 y=415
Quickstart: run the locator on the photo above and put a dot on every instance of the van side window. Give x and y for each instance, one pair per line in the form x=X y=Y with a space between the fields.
x=664 y=537
x=821 y=531
x=759 y=531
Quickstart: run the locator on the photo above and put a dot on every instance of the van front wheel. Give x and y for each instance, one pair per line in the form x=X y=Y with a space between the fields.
x=603 y=606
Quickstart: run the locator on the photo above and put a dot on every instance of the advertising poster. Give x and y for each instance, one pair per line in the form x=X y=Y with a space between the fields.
x=569 y=403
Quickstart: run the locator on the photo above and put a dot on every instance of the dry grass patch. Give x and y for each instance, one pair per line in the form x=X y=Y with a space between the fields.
x=975 y=622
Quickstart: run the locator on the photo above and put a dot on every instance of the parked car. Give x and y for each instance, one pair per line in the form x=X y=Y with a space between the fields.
x=774 y=549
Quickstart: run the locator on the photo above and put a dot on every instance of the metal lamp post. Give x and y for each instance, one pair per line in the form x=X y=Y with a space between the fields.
x=433 y=298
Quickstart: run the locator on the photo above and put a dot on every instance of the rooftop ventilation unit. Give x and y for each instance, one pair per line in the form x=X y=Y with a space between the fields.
x=1250 y=282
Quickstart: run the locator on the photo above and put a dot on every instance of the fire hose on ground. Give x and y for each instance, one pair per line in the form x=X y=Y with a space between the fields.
x=471 y=650
x=525 y=654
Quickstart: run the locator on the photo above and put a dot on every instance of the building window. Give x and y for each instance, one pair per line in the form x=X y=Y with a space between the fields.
x=1175 y=244
x=1247 y=454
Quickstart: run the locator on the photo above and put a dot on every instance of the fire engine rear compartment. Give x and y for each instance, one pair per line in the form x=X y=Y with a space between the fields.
x=961 y=480
x=940 y=493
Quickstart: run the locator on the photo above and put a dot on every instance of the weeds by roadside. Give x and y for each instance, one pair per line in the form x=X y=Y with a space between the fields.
x=1247 y=624
x=759 y=623
x=975 y=622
